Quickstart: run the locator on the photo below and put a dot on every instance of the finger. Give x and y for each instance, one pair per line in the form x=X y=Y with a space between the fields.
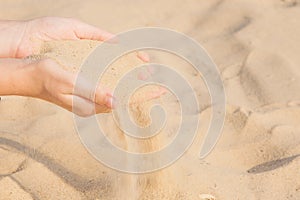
x=81 y=106
x=89 y=32
x=85 y=108
x=157 y=93
x=146 y=74
x=99 y=95
x=151 y=70
x=154 y=94
x=143 y=56
x=104 y=96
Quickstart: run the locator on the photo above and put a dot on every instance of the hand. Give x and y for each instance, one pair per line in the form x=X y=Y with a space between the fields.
x=22 y=38
x=45 y=79
x=57 y=86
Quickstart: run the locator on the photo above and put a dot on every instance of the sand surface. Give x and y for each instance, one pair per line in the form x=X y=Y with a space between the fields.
x=255 y=45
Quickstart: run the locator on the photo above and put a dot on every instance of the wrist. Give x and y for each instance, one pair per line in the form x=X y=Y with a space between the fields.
x=18 y=77
x=8 y=80
x=26 y=79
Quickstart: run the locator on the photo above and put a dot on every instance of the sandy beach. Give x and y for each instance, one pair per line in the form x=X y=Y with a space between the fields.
x=255 y=45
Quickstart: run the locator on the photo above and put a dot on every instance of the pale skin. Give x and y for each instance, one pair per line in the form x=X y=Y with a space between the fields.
x=45 y=79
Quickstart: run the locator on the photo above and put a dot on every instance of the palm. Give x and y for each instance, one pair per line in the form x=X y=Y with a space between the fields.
x=53 y=28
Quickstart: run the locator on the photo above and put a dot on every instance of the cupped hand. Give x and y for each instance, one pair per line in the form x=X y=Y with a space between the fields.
x=55 y=28
x=58 y=86
x=23 y=38
x=45 y=79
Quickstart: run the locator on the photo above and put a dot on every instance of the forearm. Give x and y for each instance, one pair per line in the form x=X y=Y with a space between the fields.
x=11 y=33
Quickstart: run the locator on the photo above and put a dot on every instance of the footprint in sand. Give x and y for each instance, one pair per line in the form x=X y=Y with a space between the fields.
x=264 y=74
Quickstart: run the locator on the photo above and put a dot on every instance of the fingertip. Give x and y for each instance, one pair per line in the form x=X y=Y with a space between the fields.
x=113 y=39
x=111 y=102
x=87 y=31
x=143 y=76
x=108 y=93
x=151 y=70
x=163 y=90
x=143 y=56
x=109 y=98
x=158 y=92
x=106 y=36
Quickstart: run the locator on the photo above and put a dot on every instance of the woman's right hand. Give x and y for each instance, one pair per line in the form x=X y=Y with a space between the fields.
x=45 y=79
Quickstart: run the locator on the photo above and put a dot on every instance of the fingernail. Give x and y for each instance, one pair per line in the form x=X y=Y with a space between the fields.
x=111 y=102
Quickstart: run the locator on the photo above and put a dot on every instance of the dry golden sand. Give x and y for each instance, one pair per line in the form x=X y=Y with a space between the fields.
x=255 y=45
